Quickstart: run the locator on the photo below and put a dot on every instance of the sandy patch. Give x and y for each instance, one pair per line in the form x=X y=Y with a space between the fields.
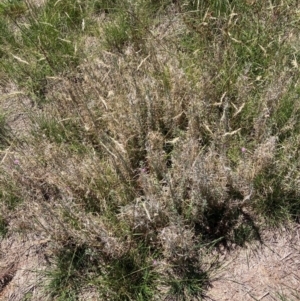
x=22 y=264
x=267 y=272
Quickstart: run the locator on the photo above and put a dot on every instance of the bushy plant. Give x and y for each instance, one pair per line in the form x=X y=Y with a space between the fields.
x=155 y=129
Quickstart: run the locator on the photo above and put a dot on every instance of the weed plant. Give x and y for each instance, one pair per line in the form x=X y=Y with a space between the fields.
x=155 y=128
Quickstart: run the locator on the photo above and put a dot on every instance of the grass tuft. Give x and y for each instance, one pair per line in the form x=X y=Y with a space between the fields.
x=153 y=129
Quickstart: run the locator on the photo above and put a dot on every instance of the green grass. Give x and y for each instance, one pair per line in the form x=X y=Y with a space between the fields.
x=3 y=227
x=4 y=132
x=12 y=9
x=188 y=282
x=72 y=266
x=155 y=128
x=130 y=277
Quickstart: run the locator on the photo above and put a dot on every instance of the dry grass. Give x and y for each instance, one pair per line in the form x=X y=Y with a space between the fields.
x=135 y=136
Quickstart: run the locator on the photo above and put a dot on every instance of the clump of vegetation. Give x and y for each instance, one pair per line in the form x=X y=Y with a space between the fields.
x=155 y=129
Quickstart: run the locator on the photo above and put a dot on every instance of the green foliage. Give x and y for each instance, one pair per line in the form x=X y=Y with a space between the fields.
x=13 y=8
x=74 y=264
x=117 y=33
x=9 y=195
x=50 y=38
x=130 y=24
x=107 y=6
x=65 y=16
x=4 y=132
x=286 y=119
x=274 y=202
x=130 y=277
x=188 y=282
x=61 y=131
x=3 y=227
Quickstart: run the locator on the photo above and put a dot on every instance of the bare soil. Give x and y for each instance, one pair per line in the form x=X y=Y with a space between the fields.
x=268 y=271
x=23 y=260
